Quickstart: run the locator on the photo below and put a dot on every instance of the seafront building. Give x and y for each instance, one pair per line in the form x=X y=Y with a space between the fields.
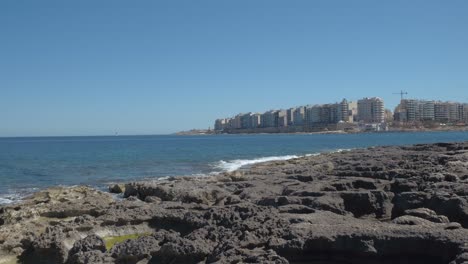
x=255 y=120
x=290 y=116
x=268 y=119
x=221 y=124
x=352 y=112
x=464 y=111
x=327 y=114
x=236 y=122
x=371 y=110
x=366 y=114
x=413 y=110
x=295 y=119
x=298 y=116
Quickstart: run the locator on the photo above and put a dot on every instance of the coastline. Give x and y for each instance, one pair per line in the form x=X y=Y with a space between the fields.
x=391 y=130
x=377 y=205
x=14 y=195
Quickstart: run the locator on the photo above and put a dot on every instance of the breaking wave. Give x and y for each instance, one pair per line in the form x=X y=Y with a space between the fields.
x=10 y=198
x=233 y=165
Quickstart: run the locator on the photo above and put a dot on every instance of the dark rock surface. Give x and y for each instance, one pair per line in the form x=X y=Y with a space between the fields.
x=379 y=205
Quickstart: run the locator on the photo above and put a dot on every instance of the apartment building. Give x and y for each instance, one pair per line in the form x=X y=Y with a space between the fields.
x=412 y=110
x=371 y=110
x=221 y=124
x=352 y=111
x=235 y=122
x=255 y=120
x=282 y=118
x=298 y=116
x=443 y=112
x=290 y=116
x=267 y=119
x=319 y=115
x=464 y=113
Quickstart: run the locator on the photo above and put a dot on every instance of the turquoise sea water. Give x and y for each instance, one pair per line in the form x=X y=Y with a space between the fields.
x=31 y=164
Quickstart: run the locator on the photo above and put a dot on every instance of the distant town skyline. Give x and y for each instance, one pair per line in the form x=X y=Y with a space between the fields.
x=158 y=67
x=364 y=115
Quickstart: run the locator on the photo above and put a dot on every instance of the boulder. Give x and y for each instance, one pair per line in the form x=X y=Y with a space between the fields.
x=117 y=188
x=134 y=250
x=89 y=243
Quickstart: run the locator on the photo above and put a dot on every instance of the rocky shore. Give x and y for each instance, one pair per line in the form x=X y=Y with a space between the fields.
x=378 y=205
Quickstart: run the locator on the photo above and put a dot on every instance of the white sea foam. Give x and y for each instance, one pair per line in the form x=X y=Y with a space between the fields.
x=14 y=196
x=5 y=201
x=233 y=165
x=8 y=199
x=341 y=150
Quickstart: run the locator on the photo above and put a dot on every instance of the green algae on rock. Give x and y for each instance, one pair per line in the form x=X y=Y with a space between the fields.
x=112 y=240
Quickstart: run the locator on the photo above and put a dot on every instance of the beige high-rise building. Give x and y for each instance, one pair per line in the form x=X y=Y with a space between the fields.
x=352 y=106
x=371 y=110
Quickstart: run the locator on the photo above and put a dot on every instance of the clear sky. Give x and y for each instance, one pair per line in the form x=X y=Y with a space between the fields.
x=151 y=67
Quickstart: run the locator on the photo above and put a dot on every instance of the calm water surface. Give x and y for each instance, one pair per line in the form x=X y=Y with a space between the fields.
x=30 y=164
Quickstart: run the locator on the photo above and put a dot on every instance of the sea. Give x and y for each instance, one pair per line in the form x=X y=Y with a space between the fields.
x=29 y=164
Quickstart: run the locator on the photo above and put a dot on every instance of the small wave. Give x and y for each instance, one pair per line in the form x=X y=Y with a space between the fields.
x=16 y=195
x=9 y=199
x=233 y=165
x=341 y=150
x=5 y=201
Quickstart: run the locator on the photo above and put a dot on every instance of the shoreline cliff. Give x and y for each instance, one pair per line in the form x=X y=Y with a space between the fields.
x=391 y=204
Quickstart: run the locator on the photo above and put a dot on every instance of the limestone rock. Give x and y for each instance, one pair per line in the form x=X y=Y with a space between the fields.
x=399 y=204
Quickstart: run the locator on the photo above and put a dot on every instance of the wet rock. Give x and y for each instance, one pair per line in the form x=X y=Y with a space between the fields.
x=117 y=188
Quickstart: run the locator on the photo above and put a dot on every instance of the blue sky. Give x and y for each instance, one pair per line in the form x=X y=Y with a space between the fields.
x=152 y=67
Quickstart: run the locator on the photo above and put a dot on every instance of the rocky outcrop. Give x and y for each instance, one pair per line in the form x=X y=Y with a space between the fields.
x=379 y=205
x=87 y=250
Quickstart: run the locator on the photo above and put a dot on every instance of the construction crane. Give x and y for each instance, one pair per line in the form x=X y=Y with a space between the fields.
x=401 y=93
